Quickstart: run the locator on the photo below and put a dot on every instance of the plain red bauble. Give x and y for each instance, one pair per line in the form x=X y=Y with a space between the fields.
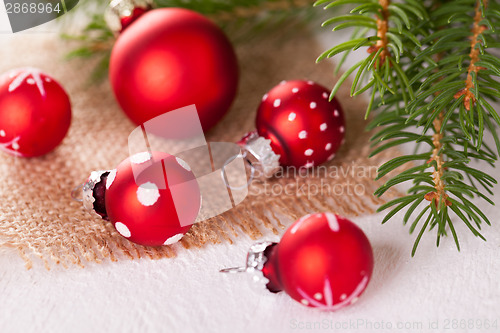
x=170 y=58
x=152 y=200
x=35 y=113
x=305 y=128
x=134 y=15
x=323 y=261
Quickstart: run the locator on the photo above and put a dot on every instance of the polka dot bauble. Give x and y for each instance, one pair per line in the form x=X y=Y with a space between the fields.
x=152 y=199
x=304 y=127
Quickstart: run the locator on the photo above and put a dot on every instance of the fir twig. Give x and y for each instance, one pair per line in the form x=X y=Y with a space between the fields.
x=437 y=156
x=433 y=89
x=477 y=30
x=382 y=30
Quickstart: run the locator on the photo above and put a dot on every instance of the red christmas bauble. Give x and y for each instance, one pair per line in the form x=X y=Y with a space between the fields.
x=305 y=128
x=35 y=113
x=323 y=261
x=137 y=12
x=170 y=58
x=152 y=200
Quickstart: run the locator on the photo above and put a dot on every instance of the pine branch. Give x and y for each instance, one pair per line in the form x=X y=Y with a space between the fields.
x=477 y=31
x=385 y=44
x=437 y=156
x=382 y=30
x=435 y=93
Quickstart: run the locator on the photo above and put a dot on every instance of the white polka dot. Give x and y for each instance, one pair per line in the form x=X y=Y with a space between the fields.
x=173 y=239
x=292 y=116
x=310 y=83
x=277 y=102
x=110 y=179
x=295 y=90
x=342 y=129
x=148 y=194
x=47 y=79
x=333 y=223
x=264 y=97
x=304 y=301
x=323 y=127
x=343 y=297
x=313 y=105
x=283 y=82
x=140 y=157
x=308 y=152
x=318 y=296
x=328 y=146
x=2 y=133
x=183 y=164
x=302 y=134
x=331 y=157
x=30 y=81
x=15 y=146
x=325 y=95
x=309 y=165
x=122 y=229
x=336 y=113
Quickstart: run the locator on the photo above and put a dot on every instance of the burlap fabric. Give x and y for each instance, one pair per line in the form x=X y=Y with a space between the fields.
x=39 y=218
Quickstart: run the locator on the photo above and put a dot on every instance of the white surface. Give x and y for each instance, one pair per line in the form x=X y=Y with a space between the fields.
x=188 y=294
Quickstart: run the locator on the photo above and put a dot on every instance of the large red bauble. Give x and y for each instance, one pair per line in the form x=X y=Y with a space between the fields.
x=35 y=113
x=323 y=260
x=305 y=128
x=170 y=58
x=153 y=199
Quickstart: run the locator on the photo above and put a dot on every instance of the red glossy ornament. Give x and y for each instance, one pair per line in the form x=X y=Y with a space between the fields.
x=152 y=200
x=323 y=261
x=35 y=113
x=170 y=58
x=305 y=128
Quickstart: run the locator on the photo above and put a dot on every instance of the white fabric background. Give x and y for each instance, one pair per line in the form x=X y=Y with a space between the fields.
x=429 y=293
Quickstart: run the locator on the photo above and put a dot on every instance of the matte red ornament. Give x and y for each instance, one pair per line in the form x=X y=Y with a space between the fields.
x=305 y=128
x=35 y=113
x=323 y=261
x=152 y=200
x=170 y=58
